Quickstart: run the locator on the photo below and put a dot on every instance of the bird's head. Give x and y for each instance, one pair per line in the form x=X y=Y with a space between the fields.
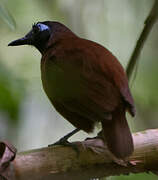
x=42 y=35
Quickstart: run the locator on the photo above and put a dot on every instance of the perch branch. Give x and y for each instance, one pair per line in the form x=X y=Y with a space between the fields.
x=60 y=162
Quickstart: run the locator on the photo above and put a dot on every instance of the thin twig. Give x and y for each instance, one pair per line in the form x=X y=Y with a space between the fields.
x=150 y=21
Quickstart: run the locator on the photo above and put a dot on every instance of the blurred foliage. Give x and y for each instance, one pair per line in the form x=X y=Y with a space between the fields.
x=11 y=93
x=11 y=87
x=6 y=16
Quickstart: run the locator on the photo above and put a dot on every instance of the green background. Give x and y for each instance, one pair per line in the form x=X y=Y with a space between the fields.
x=27 y=119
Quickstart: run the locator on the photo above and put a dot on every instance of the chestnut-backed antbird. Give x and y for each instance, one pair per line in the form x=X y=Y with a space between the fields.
x=85 y=83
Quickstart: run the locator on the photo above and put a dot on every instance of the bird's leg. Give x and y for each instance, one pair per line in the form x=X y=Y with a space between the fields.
x=64 y=140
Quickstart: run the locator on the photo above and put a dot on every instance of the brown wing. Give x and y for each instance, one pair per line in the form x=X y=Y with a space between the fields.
x=108 y=73
x=119 y=78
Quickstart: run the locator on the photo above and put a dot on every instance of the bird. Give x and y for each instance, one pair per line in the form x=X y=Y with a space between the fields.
x=85 y=83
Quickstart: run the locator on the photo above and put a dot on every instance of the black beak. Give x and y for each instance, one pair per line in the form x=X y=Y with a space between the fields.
x=22 y=41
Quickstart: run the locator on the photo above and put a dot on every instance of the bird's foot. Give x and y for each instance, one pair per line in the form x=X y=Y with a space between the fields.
x=98 y=145
x=64 y=141
x=95 y=144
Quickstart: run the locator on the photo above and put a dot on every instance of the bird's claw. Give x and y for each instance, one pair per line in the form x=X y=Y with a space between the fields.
x=61 y=141
x=65 y=142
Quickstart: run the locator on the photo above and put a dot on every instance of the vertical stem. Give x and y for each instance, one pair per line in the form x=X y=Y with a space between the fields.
x=150 y=21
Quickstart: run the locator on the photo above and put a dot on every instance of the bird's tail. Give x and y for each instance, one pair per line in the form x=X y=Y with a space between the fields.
x=117 y=135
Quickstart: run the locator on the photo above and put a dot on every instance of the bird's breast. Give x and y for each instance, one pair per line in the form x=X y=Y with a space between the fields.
x=60 y=81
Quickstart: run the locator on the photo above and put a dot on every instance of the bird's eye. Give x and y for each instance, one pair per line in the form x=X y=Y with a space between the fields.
x=42 y=27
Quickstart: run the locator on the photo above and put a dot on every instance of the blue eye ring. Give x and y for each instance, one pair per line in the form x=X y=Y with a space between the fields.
x=39 y=27
x=42 y=27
